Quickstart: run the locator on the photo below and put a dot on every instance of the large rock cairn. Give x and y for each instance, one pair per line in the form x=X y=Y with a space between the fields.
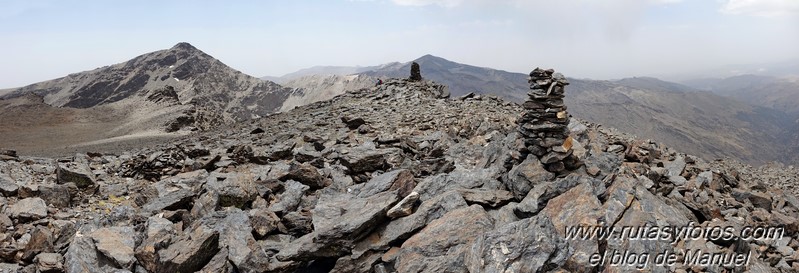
x=545 y=121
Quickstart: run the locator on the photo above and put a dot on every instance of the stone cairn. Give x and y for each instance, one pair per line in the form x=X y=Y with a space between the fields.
x=545 y=121
x=416 y=74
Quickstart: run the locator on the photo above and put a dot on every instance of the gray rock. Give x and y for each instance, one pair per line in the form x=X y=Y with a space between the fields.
x=11 y=268
x=49 y=263
x=459 y=179
x=56 y=195
x=504 y=215
x=353 y=123
x=756 y=198
x=606 y=163
x=404 y=227
x=41 y=240
x=117 y=244
x=82 y=257
x=235 y=235
x=483 y=197
x=538 y=197
x=615 y=148
x=704 y=179
x=553 y=157
x=296 y=223
x=8 y=250
x=219 y=263
x=305 y=174
x=290 y=198
x=191 y=251
x=442 y=244
x=232 y=190
x=5 y=222
x=361 y=160
x=362 y=264
x=335 y=237
x=675 y=168
x=204 y=205
x=158 y=235
x=75 y=172
x=576 y=207
x=28 y=209
x=63 y=232
x=171 y=200
x=644 y=208
x=281 y=150
x=678 y=180
x=8 y=187
x=359 y=219
x=524 y=176
x=397 y=179
x=263 y=222
x=524 y=246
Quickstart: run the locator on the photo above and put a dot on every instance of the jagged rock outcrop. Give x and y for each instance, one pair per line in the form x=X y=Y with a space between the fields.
x=421 y=184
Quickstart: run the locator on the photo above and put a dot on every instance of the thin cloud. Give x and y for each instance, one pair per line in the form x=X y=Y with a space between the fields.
x=762 y=8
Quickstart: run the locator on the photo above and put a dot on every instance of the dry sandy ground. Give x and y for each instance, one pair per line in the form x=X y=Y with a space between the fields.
x=33 y=128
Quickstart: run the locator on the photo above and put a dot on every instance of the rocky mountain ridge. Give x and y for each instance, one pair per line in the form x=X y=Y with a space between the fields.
x=393 y=178
x=197 y=79
x=152 y=97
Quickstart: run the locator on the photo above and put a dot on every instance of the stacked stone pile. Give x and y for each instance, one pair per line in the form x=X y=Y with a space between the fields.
x=545 y=121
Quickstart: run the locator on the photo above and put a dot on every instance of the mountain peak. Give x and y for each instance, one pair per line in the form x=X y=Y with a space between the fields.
x=184 y=46
x=429 y=57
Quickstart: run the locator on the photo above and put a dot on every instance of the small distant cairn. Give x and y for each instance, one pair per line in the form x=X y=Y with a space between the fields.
x=416 y=74
x=545 y=122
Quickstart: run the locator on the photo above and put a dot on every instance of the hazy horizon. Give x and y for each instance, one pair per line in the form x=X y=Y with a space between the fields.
x=581 y=38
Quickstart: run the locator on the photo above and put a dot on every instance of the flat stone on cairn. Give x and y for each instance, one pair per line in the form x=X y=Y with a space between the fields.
x=545 y=121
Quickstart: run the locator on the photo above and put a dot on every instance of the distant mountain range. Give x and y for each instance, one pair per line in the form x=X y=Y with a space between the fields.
x=710 y=124
x=782 y=69
x=461 y=78
x=753 y=118
x=324 y=70
x=778 y=93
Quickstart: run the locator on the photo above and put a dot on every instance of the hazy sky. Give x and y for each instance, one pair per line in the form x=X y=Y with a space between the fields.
x=597 y=39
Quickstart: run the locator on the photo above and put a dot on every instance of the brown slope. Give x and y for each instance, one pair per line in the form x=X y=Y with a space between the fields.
x=695 y=122
x=34 y=128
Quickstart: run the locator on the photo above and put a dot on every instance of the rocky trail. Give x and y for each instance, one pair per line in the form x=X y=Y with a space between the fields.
x=395 y=178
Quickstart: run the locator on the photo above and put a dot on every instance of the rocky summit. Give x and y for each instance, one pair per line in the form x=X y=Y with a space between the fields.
x=398 y=177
